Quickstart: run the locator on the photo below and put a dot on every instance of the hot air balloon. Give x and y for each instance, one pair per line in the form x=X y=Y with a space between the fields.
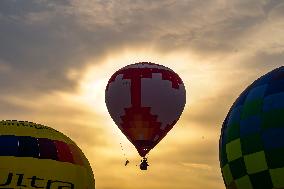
x=251 y=144
x=145 y=100
x=37 y=156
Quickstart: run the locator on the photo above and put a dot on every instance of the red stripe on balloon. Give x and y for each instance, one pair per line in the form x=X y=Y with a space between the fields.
x=76 y=154
x=63 y=152
x=147 y=73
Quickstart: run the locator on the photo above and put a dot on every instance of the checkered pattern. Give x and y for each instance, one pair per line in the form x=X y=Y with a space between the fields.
x=252 y=136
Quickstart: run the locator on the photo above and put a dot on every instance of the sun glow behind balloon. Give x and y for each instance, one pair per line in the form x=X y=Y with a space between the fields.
x=203 y=81
x=196 y=77
x=92 y=85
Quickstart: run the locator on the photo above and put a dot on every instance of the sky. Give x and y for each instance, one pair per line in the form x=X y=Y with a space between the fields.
x=56 y=57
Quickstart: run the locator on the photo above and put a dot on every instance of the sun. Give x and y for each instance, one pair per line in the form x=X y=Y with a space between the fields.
x=92 y=85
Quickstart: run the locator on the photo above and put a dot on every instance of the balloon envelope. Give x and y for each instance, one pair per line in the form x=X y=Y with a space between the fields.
x=36 y=156
x=145 y=100
x=252 y=137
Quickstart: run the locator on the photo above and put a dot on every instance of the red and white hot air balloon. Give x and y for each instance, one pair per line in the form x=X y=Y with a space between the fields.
x=145 y=100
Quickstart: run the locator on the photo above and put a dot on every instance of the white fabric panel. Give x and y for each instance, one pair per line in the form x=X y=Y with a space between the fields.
x=118 y=97
x=164 y=100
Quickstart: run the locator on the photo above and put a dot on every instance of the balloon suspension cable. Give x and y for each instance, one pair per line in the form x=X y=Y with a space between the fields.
x=126 y=160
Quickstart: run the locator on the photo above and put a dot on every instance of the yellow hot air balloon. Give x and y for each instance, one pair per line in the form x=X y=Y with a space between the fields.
x=37 y=156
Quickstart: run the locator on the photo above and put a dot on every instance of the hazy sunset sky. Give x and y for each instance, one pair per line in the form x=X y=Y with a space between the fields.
x=56 y=57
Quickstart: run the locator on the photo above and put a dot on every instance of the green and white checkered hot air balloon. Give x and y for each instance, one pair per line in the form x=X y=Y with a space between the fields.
x=252 y=136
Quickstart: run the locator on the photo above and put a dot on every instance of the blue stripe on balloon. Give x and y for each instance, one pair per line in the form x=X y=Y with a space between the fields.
x=273 y=102
x=8 y=145
x=28 y=147
x=41 y=148
x=250 y=125
x=273 y=138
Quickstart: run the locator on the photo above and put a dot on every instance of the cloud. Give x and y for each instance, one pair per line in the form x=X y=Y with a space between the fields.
x=199 y=166
x=40 y=44
x=42 y=40
x=263 y=61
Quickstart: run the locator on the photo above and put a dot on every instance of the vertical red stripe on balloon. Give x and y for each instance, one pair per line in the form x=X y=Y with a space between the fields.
x=63 y=152
x=135 y=77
